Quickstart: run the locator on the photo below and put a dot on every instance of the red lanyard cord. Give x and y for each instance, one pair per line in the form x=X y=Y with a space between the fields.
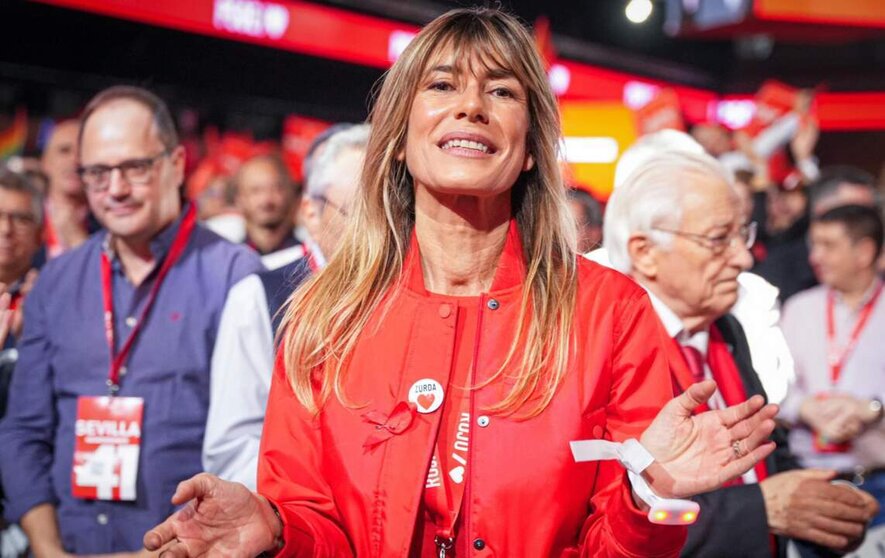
x=175 y=251
x=837 y=357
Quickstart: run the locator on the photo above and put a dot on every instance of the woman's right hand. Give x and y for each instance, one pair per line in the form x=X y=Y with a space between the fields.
x=220 y=518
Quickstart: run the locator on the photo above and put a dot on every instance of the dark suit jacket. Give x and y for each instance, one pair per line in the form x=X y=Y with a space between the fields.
x=732 y=521
x=279 y=284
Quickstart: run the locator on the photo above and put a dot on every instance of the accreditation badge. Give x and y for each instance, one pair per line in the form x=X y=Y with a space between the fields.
x=108 y=439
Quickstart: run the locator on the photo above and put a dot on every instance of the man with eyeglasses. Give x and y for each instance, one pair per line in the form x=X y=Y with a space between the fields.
x=677 y=228
x=757 y=308
x=21 y=219
x=21 y=213
x=243 y=362
x=108 y=404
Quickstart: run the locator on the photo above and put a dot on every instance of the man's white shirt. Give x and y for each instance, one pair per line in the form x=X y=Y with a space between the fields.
x=242 y=368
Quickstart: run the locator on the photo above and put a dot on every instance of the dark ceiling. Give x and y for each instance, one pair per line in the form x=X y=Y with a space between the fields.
x=52 y=59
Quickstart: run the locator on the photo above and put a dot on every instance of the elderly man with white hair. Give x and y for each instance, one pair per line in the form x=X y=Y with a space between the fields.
x=676 y=227
x=242 y=363
x=757 y=307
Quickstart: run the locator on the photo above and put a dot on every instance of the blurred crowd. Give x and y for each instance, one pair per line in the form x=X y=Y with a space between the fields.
x=111 y=210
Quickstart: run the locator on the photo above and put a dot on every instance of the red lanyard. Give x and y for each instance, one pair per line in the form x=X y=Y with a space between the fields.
x=837 y=357
x=175 y=251
x=450 y=494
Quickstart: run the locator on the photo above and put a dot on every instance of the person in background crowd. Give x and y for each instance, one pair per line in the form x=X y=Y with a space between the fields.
x=757 y=308
x=588 y=215
x=740 y=151
x=68 y=222
x=713 y=137
x=242 y=365
x=677 y=228
x=842 y=185
x=21 y=219
x=21 y=222
x=31 y=168
x=743 y=184
x=331 y=186
x=218 y=198
x=782 y=256
x=267 y=198
x=835 y=331
x=131 y=314
x=38 y=180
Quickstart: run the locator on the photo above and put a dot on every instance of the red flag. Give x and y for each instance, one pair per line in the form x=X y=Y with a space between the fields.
x=544 y=41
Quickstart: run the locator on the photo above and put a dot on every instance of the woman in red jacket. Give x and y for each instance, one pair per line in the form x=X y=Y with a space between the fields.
x=432 y=376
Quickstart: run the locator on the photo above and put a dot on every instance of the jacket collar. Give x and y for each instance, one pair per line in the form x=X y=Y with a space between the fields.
x=509 y=274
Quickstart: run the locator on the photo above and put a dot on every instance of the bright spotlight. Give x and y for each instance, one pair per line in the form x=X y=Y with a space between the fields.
x=637 y=11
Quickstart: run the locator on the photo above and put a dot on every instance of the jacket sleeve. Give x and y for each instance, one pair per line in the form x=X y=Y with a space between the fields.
x=241 y=370
x=290 y=476
x=28 y=430
x=640 y=386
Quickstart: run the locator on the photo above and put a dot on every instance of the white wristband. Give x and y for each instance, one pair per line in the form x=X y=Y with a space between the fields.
x=636 y=459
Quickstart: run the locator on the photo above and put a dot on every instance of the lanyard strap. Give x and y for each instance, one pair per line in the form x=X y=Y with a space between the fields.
x=838 y=356
x=175 y=252
x=450 y=494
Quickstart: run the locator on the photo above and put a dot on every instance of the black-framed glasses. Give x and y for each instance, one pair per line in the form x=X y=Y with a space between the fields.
x=745 y=234
x=325 y=201
x=97 y=178
x=19 y=220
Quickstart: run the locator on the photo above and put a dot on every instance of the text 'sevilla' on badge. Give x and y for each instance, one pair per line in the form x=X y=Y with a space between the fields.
x=427 y=395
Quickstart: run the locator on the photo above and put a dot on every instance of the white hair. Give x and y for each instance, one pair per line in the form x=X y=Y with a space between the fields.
x=651 y=145
x=653 y=196
x=321 y=168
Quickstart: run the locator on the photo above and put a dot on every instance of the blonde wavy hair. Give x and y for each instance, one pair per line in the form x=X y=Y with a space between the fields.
x=324 y=318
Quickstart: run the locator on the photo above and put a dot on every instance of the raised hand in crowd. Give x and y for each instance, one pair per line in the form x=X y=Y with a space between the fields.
x=804 y=504
x=803 y=143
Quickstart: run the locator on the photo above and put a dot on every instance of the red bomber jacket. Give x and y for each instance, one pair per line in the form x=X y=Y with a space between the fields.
x=525 y=495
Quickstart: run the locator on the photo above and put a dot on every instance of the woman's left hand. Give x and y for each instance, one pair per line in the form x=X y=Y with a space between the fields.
x=699 y=453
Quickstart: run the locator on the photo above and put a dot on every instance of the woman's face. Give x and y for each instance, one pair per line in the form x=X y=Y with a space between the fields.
x=467 y=129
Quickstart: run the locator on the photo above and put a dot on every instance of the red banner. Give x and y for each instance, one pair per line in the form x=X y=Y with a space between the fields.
x=862 y=13
x=663 y=112
x=291 y=25
x=298 y=134
x=338 y=34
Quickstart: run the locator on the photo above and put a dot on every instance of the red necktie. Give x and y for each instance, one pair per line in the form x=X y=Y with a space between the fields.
x=695 y=361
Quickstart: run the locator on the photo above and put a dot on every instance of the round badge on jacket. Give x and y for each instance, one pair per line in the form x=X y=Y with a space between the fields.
x=427 y=395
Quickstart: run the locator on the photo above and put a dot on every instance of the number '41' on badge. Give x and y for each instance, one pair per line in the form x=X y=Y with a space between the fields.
x=108 y=439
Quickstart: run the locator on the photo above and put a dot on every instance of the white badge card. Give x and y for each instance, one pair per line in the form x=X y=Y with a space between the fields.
x=108 y=440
